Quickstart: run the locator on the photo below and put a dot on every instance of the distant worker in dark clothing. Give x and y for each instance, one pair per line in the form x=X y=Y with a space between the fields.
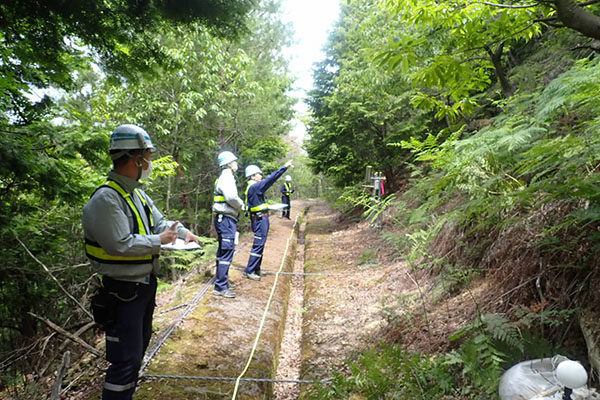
x=258 y=208
x=123 y=235
x=226 y=206
x=286 y=191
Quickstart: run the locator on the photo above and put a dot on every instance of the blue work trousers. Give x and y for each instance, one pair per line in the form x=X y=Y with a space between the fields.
x=260 y=227
x=285 y=213
x=226 y=228
x=128 y=338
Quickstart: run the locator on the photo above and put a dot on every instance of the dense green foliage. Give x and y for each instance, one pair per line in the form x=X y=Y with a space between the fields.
x=221 y=98
x=482 y=118
x=390 y=372
x=502 y=118
x=359 y=108
x=199 y=79
x=41 y=43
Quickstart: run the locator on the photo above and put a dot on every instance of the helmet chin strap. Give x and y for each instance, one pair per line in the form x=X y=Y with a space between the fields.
x=139 y=165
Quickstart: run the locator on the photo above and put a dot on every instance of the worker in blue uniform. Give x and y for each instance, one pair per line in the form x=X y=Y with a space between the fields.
x=226 y=207
x=286 y=191
x=258 y=209
x=123 y=235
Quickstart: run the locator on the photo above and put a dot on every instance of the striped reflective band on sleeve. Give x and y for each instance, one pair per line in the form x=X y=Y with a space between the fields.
x=94 y=251
x=218 y=197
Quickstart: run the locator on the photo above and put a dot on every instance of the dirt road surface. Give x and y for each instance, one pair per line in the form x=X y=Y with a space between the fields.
x=301 y=324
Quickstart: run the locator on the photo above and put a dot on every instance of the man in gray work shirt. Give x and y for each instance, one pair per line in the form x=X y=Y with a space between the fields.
x=123 y=234
x=227 y=206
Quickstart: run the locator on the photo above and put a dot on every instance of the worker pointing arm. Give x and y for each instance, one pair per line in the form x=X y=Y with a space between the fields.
x=259 y=213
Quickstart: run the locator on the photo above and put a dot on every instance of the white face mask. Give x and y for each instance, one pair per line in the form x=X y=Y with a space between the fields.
x=234 y=166
x=146 y=172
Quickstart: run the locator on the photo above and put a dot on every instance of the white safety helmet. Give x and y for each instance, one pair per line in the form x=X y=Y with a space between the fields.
x=251 y=170
x=225 y=157
x=288 y=178
x=129 y=137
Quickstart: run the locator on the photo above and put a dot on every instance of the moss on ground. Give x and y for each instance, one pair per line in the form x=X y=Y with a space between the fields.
x=215 y=340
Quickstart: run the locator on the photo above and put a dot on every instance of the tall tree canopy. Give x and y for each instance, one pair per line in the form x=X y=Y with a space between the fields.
x=42 y=42
x=359 y=109
x=454 y=50
x=226 y=95
x=198 y=75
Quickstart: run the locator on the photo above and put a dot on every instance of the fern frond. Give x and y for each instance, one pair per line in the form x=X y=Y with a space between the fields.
x=501 y=329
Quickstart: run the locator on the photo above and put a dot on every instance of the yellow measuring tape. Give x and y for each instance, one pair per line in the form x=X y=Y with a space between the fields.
x=262 y=321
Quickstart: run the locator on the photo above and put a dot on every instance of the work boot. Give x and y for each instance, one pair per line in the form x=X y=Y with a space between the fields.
x=261 y=273
x=224 y=293
x=253 y=277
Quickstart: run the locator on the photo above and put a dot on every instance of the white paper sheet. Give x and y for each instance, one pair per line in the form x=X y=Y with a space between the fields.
x=180 y=245
x=277 y=206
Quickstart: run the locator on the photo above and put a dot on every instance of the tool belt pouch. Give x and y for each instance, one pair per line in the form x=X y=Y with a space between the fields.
x=104 y=308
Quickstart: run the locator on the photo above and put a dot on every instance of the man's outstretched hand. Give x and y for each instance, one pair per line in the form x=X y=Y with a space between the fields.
x=190 y=237
x=170 y=235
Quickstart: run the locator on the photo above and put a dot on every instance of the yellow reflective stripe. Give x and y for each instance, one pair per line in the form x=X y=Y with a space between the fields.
x=143 y=200
x=129 y=201
x=250 y=183
x=99 y=253
x=95 y=251
x=260 y=207
x=218 y=197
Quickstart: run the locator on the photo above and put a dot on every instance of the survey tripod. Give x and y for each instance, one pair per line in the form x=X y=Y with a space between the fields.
x=375 y=182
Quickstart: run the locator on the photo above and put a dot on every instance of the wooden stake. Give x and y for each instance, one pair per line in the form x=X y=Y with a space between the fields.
x=60 y=375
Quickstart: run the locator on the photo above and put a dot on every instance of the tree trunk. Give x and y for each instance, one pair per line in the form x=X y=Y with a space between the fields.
x=575 y=17
x=590 y=327
x=185 y=197
x=496 y=57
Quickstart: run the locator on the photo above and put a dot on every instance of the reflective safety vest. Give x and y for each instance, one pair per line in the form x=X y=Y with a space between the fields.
x=94 y=251
x=218 y=196
x=288 y=188
x=256 y=209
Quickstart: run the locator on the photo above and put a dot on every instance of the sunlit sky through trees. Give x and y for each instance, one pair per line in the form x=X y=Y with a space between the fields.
x=312 y=21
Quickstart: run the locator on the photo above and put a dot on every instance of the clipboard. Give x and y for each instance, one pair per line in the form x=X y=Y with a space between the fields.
x=277 y=206
x=180 y=245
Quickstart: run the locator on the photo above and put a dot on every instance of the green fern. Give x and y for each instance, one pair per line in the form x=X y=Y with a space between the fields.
x=576 y=88
x=502 y=330
x=390 y=372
